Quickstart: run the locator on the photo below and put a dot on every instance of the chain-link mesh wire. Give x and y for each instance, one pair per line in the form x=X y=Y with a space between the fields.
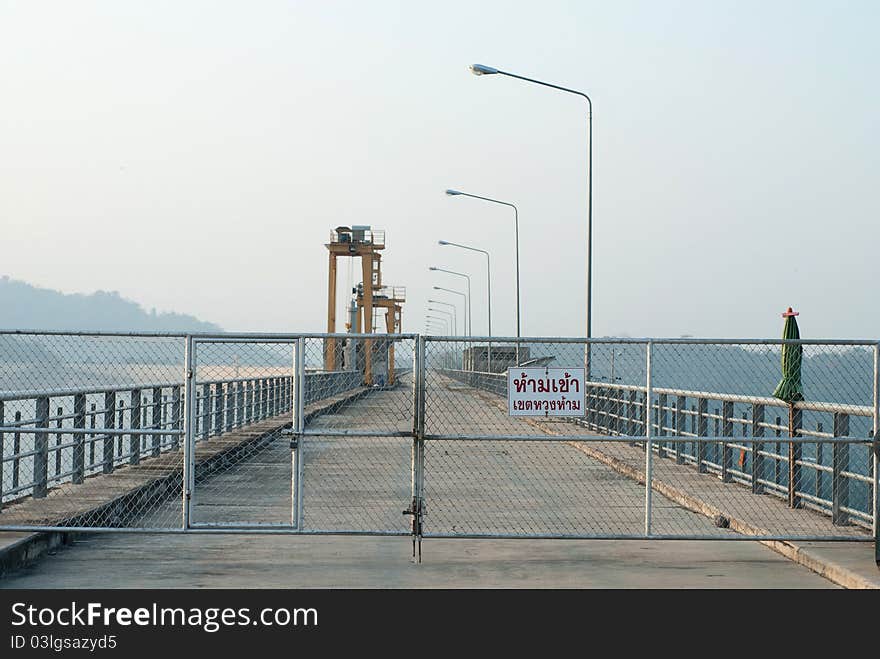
x=383 y=386
x=110 y=410
x=719 y=391
x=357 y=475
x=242 y=463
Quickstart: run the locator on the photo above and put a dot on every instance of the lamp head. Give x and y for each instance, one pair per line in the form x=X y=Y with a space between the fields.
x=442 y=242
x=432 y=268
x=482 y=70
x=452 y=193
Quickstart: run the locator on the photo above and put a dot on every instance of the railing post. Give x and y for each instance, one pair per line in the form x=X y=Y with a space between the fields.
x=820 y=456
x=239 y=404
x=726 y=432
x=839 y=463
x=109 y=423
x=59 y=439
x=230 y=406
x=777 y=462
x=134 y=440
x=79 y=439
x=631 y=414
x=680 y=407
x=16 y=451
x=206 y=411
x=157 y=421
x=649 y=451
x=702 y=422
x=92 y=436
x=218 y=408
x=249 y=401
x=757 y=458
x=175 y=414
x=41 y=449
x=661 y=424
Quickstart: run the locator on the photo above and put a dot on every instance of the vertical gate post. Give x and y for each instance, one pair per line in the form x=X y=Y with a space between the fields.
x=298 y=425
x=2 y=446
x=418 y=446
x=649 y=453
x=876 y=456
x=189 y=427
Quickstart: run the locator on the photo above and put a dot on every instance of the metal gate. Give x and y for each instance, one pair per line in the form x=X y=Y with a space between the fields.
x=283 y=443
x=409 y=435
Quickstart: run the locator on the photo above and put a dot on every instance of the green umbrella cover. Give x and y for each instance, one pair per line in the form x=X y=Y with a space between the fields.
x=790 y=388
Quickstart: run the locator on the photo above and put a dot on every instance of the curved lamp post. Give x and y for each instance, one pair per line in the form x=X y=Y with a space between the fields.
x=488 y=289
x=459 y=193
x=464 y=301
x=481 y=70
x=454 y=314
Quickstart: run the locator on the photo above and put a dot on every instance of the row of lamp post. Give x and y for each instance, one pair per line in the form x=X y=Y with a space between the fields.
x=481 y=70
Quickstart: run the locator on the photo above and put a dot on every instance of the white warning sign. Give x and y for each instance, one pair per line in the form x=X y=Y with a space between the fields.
x=545 y=391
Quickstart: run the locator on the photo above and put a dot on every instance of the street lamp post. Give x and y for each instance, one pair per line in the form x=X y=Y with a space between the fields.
x=449 y=317
x=464 y=300
x=459 y=193
x=454 y=314
x=488 y=290
x=480 y=70
x=438 y=319
x=470 y=309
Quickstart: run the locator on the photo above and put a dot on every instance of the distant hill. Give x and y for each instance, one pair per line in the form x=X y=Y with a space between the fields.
x=23 y=306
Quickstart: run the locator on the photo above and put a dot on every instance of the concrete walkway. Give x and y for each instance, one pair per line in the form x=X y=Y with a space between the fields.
x=161 y=561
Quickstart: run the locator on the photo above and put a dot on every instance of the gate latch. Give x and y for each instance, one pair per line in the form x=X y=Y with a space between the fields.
x=415 y=509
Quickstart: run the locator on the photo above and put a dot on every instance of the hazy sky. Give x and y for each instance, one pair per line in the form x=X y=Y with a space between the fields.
x=195 y=155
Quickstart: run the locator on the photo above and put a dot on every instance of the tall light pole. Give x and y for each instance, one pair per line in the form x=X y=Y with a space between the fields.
x=454 y=314
x=449 y=317
x=480 y=70
x=464 y=301
x=488 y=290
x=458 y=193
x=434 y=268
x=438 y=319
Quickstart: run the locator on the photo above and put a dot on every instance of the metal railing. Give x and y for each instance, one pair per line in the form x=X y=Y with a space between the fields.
x=832 y=477
x=97 y=430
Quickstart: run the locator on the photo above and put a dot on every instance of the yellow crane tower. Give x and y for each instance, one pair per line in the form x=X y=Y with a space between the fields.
x=352 y=242
x=390 y=298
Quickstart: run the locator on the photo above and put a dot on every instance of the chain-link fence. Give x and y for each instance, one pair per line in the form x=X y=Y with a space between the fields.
x=727 y=460
x=317 y=433
x=91 y=430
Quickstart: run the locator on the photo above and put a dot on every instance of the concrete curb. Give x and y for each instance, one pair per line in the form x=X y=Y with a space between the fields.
x=835 y=573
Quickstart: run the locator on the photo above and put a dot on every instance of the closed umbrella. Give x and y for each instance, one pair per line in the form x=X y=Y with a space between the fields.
x=790 y=389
